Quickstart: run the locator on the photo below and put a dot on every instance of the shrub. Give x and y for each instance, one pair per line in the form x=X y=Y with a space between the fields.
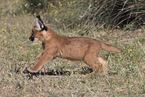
x=113 y=13
x=106 y=13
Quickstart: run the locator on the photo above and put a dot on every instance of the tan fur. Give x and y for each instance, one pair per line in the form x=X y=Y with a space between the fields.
x=104 y=64
x=74 y=48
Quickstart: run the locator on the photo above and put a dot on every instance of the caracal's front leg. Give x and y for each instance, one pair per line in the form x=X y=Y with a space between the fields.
x=39 y=56
x=43 y=60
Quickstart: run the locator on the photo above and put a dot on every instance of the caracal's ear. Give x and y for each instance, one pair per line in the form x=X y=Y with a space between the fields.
x=39 y=23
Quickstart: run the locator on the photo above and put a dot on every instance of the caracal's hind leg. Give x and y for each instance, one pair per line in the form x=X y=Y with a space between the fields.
x=43 y=60
x=91 y=58
x=93 y=62
x=104 y=64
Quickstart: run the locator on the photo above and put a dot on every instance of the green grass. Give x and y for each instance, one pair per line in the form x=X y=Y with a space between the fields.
x=126 y=71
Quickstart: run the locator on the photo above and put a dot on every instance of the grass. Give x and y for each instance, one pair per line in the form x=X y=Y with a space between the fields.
x=126 y=71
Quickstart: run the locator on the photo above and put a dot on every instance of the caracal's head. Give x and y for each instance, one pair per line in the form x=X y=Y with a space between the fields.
x=38 y=31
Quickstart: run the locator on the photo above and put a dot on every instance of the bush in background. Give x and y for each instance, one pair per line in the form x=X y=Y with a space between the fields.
x=107 y=13
x=113 y=13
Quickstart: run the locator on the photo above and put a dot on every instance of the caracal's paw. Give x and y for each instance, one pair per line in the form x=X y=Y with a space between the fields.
x=30 y=71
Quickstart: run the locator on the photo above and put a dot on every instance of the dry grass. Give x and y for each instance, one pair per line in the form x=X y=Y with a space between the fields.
x=125 y=76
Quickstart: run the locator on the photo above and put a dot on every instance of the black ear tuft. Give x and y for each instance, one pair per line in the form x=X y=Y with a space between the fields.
x=38 y=16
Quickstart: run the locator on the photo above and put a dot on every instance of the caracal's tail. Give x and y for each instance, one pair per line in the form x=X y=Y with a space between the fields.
x=109 y=47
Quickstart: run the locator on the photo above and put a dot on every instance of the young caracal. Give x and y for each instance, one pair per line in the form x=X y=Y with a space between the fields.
x=74 y=48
